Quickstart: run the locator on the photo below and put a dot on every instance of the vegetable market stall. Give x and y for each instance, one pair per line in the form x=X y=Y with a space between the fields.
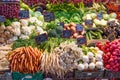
x=59 y=40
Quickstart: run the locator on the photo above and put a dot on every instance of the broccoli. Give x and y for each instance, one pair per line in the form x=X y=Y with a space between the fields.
x=59 y=30
x=52 y=33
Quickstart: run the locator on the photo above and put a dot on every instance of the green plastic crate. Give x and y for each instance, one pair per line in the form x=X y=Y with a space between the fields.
x=20 y=76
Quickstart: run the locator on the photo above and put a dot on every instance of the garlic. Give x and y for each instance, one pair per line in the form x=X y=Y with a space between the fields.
x=100 y=52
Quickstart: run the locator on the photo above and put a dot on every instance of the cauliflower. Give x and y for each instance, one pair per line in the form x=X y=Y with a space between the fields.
x=24 y=22
x=33 y=20
x=17 y=32
x=39 y=30
x=15 y=24
x=32 y=27
x=22 y=36
x=26 y=30
x=39 y=23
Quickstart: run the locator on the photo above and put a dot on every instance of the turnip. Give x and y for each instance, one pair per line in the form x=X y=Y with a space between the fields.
x=85 y=59
x=91 y=66
x=81 y=67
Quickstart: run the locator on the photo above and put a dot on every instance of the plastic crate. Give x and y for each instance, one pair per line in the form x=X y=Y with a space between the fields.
x=20 y=76
x=89 y=74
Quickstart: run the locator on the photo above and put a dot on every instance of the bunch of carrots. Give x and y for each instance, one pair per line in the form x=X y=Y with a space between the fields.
x=25 y=60
x=114 y=8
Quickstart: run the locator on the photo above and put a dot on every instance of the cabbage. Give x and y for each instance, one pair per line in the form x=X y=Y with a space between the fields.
x=105 y=16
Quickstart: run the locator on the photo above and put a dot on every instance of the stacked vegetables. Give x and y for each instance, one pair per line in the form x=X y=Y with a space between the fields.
x=75 y=33
x=25 y=60
x=21 y=29
x=91 y=59
x=4 y=63
x=111 y=56
x=97 y=19
x=62 y=59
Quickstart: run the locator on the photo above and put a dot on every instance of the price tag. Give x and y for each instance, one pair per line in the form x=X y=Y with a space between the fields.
x=81 y=40
x=10 y=0
x=61 y=24
x=52 y=16
x=41 y=38
x=23 y=14
x=2 y=19
x=39 y=9
x=79 y=28
x=99 y=16
x=67 y=33
x=88 y=22
x=111 y=37
x=49 y=16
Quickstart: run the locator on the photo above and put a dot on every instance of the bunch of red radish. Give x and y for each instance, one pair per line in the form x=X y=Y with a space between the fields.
x=111 y=56
x=33 y=2
x=9 y=10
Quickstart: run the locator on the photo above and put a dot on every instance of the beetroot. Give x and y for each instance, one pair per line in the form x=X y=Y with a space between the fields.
x=111 y=56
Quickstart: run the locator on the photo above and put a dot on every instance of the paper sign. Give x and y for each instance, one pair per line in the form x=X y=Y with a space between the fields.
x=99 y=16
x=49 y=16
x=41 y=38
x=10 y=0
x=39 y=9
x=61 y=24
x=81 y=40
x=111 y=37
x=23 y=14
x=67 y=33
x=88 y=22
x=79 y=28
x=2 y=19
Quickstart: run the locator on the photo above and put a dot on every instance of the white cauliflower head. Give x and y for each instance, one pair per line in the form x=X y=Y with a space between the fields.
x=26 y=30
x=24 y=22
x=15 y=24
x=33 y=19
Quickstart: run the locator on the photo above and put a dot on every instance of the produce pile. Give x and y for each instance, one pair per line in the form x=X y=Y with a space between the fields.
x=4 y=63
x=73 y=27
x=25 y=60
x=91 y=59
x=21 y=29
x=62 y=59
x=111 y=56
x=58 y=55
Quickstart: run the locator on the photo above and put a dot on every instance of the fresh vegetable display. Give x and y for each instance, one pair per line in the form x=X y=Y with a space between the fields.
x=25 y=60
x=4 y=62
x=91 y=59
x=111 y=55
x=21 y=29
x=62 y=59
x=94 y=34
x=60 y=39
x=73 y=27
x=95 y=20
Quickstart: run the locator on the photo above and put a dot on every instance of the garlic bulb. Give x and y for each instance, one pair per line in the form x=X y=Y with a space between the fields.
x=80 y=67
x=99 y=65
x=91 y=66
x=90 y=55
x=85 y=59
